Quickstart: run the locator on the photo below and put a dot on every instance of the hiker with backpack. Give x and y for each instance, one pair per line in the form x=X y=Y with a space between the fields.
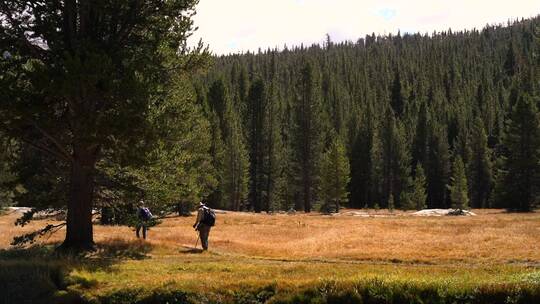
x=143 y=217
x=206 y=218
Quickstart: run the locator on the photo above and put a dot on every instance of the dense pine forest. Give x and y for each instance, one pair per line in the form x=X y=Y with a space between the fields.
x=446 y=120
x=398 y=121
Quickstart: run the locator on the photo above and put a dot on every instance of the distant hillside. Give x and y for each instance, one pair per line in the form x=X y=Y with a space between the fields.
x=397 y=103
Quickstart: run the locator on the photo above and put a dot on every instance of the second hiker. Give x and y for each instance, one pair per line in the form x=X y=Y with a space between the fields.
x=143 y=216
x=206 y=218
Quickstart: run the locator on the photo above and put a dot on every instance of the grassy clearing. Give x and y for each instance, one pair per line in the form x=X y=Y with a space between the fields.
x=293 y=259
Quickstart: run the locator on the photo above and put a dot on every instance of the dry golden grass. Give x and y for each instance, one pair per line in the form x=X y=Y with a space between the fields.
x=491 y=237
x=298 y=251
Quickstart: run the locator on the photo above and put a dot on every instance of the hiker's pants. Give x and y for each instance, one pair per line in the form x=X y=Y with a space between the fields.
x=204 y=231
x=144 y=228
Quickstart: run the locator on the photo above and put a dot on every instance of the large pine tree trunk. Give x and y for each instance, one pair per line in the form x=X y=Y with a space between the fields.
x=79 y=234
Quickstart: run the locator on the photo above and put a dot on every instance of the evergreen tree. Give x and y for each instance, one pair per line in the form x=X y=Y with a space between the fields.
x=236 y=164
x=421 y=139
x=396 y=99
x=308 y=137
x=518 y=183
x=241 y=86
x=480 y=168
x=438 y=172
x=377 y=193
x=285 y=183
x=419 y=194
x=458 y=187
x=218 y=99
x=274 y=157
x=462 y=143
x=217 y=153
x=256 y=112
x=403 y=182
x=180 y=169
x=360 y=187
x=83 y=93
x=335 y=175
x=396 y=159
x=510 y=63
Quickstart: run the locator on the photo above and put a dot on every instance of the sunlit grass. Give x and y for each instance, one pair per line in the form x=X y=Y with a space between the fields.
x=209 y=272
x=296 y=252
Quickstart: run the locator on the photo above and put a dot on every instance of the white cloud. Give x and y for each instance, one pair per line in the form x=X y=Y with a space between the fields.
x=239 y=25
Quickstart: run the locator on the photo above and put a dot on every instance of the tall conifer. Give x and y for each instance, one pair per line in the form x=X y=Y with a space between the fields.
x=458 y=185
x=518 y=184
x=308 y=137
x=256 y=102
x=419 y=194
x=480 y=169
x=335 y=175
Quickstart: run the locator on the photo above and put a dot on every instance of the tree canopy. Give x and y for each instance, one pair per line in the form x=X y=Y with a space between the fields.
x=81 y=83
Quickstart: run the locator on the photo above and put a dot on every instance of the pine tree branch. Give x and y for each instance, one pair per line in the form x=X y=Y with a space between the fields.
x=46 y=150
x=56 y=143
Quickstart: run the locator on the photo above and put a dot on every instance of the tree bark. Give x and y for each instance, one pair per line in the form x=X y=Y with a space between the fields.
x=79 y=234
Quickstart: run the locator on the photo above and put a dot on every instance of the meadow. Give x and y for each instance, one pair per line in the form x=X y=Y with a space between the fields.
x=377 y=257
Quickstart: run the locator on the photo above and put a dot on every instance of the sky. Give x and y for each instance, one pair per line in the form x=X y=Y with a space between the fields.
x=234 y=26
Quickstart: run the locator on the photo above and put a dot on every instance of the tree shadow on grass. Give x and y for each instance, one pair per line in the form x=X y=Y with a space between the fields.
x=41 y=274
x=106 y=253
x=120 y=249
